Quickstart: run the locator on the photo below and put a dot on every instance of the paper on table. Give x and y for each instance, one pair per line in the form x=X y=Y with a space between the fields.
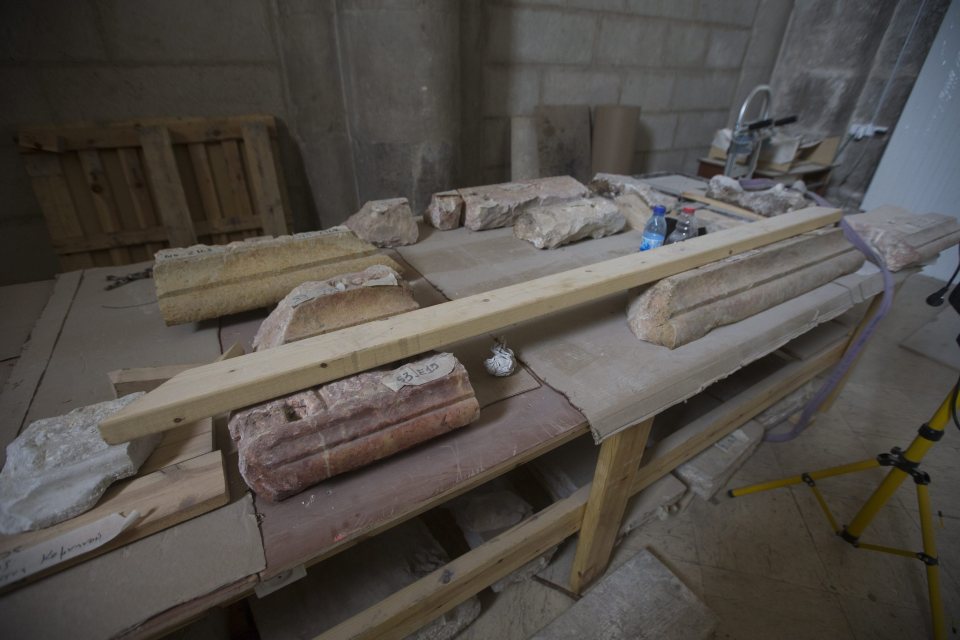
x=20 y=563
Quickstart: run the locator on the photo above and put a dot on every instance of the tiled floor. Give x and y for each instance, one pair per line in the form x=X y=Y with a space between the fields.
x=768 y=564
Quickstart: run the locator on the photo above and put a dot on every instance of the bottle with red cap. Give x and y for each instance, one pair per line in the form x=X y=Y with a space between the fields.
x=686 y=226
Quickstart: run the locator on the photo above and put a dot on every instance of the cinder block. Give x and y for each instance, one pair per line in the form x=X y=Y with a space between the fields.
x=631 y=42
x=697 y=129
x=510 y=91
x=655 y=131
x=60 y=31
x=685 y=45
x=22 y=100
x=650 y=161
x=567 y=86
x=738 y=12
x=217 y=31
x=769 y=27
x=704 y=90
x=749 y=78
x=496 y=142
x=727 y=47
x=539 y=35
x=651 y=90
x=664 y=8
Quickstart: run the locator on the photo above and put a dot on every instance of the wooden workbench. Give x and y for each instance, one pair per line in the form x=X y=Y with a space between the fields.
x=99 y=331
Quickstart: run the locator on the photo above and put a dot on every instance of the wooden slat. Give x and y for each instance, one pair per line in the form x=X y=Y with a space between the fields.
x=136 y=181
x=413 y=606
x=263 y=180
x=208 y=189
x=163 y=498
x=237 y=180
x=179 y=445
x=219 y=387
x=164 y=177
x=22 y=384
x=53 y=194
x=103 y=200
x=612 y=487
x=152 y=235
x=732 y=208
x=87 y=135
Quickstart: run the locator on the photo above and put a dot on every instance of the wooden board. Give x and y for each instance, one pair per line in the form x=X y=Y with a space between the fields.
x=166 y=186
x=24 y=302
x=343 y=510
x=163 y=498
x=260 y=376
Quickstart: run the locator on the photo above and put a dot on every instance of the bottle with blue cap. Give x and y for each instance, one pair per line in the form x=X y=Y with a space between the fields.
x=656 y=229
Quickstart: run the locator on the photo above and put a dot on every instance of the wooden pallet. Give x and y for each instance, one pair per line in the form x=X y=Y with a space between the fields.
x=115 y=194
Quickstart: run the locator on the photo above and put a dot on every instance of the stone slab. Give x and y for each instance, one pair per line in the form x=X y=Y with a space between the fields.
x=315 y=308
x=563 y=140
x=905 y=238
x=640 y=600
x=550 y=226
x=294 y=442
x=201 y=282
x=498 y=205
x=768 y=202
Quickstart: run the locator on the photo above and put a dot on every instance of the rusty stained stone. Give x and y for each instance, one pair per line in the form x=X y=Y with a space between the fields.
x=445 y=211
x=292 y=443
x=315 y=308
x=385 y=223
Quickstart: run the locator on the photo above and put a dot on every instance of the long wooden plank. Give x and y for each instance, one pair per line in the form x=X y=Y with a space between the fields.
x=164 y=498
x=687 y=442
x=612 y=486
x=237 y=180
x=410 y=608
x=136 y=181
x=724 y=206
x=103 y=200
x=126 y=133
x=207 y=187
x=263 y=180
x=215 y=388
x=164 y=177
x=25 y=377
x=152 y=235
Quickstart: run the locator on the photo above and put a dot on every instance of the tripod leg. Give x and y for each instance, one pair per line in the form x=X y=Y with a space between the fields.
x=930 y=559
x=800 y=479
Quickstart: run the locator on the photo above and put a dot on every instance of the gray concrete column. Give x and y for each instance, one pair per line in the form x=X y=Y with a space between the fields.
x=400 y=62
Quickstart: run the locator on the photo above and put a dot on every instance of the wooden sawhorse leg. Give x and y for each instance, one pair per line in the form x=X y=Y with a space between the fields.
x=612 y=486
x=871 y=309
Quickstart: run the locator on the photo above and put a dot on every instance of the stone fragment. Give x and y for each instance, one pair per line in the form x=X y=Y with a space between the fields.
x=445 y=211
x=710 y=470
x=314 y=308
x=550 y=226
x=385 y=223
x=498 y=205
x=611 y=185
x=686 y=306
x=294 y=442
x=488 y=511
x=905 y=238
x=633 y=209
x=201 y=282
x=350 y=582
x=57 y=468
x=768 y=202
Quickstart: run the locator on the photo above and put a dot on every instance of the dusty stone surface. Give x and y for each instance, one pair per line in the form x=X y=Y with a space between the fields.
x=357 y=579
x=314 y=308
x=612 y=185
x=551 y=226
x=59 y=467
x=294 y=442
x=904 y=238
x=488 y=511
x=710 y=470
x=769 y=202
x=201 y=282
x=445 y=211
x=498 y=205
x=385 y=223
x=681 y=308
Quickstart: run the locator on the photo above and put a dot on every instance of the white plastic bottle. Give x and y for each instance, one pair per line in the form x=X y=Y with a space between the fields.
x=686 y=226
x=655 y=230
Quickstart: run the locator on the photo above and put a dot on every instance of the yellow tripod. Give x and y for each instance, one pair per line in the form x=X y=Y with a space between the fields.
x=903 y=464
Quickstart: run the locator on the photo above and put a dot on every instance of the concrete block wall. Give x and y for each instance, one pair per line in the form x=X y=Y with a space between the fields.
x=686 y=63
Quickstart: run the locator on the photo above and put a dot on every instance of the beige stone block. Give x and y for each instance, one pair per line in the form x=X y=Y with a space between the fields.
x=498 y=205
x=201 y=282
x=314 y=308
x=551 y=226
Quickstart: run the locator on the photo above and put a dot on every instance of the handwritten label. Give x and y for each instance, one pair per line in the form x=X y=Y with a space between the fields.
x=421 y=372
x=20 y=563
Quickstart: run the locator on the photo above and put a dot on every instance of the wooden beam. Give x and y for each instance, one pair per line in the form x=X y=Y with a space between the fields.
x=725 y=206
x=263 y=180
x=260 y=376
x=413 y=606
x=611 y=489
x=164 y=177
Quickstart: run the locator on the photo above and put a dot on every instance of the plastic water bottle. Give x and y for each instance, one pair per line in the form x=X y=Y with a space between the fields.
x=655 y=230
x=686 y=226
